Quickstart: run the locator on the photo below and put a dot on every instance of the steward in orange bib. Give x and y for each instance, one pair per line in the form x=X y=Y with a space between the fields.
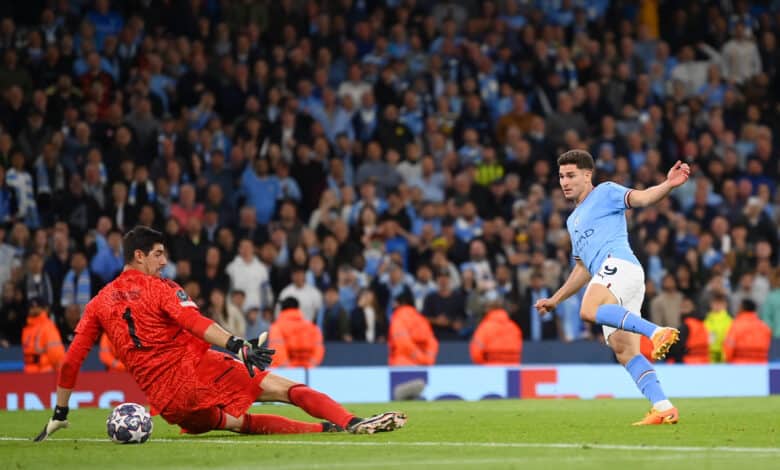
x=694 y=344
x=410 y=340
x=108 y=356
x=41 y=341
x=297 y=341
x=498 y=340
x=749 y=338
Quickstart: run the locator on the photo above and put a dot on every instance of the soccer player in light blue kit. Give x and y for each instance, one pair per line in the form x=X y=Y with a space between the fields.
x=616 y=281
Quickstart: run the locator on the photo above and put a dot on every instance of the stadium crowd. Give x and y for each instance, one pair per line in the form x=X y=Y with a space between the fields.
x=348 y=152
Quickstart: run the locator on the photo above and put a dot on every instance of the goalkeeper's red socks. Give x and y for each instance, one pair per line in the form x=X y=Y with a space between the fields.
x=271 y=424
x=319 y=405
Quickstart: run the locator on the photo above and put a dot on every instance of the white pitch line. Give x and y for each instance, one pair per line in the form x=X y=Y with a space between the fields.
x=509 y=445
x=468 y=461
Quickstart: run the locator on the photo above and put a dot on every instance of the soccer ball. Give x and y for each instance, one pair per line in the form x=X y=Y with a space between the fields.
x=129 y=423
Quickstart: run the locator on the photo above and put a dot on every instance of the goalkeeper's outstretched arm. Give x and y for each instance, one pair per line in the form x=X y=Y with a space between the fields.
x=189 y=317
x=87 y=334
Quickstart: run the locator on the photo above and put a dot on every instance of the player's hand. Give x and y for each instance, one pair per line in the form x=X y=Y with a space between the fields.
x=58 y=421
x=252 y=353
x=545 y=305
x=679 y=174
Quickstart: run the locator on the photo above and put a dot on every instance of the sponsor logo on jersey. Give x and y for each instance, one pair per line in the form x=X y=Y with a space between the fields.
x=124 y=296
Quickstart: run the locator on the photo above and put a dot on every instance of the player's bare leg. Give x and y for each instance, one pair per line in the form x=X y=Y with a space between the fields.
x=627 y=350
x=595 y=296
x=319 y=405
x=625 y=344
x=599 y=305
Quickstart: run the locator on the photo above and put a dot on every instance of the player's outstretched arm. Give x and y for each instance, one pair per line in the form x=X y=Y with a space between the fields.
x=183 y=310
x=677 y=176
x=251 y=353
x=87 y=333
x=59 y=419
x=577 y=279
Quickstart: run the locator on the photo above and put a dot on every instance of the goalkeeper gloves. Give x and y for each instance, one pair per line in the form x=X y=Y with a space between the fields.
x=58 y=421
x=251 y=353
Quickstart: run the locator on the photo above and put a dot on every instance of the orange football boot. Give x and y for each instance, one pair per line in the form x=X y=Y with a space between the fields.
x=670 y=416
x=663 y=339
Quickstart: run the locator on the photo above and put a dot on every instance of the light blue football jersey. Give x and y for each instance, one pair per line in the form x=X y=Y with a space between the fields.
x=597 y=227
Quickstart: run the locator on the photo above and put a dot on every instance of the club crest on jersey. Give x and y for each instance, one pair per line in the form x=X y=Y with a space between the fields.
x=184 y=299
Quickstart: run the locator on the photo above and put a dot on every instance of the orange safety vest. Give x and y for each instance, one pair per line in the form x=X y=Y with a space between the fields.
x=498 y=340
x=410 y=340
x=748 y=340
x=108 y=356
x=41 y=345
x=697 y=346
x=646 y=348
x=297 y=341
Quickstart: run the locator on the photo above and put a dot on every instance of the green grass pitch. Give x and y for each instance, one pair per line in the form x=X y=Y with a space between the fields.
x=737 y=433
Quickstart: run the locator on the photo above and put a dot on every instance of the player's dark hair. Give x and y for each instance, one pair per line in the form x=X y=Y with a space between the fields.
x=140 y=238
x=581 y=158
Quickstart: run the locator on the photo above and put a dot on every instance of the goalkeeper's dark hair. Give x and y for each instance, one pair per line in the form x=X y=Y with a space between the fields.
x=581 y=158
x=140 y=238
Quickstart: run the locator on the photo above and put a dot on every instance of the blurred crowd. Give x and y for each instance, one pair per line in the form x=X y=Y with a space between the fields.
x=348 y=152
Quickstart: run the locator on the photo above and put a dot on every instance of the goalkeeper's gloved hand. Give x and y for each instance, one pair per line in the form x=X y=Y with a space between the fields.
x=58 y=421
x=252 y=353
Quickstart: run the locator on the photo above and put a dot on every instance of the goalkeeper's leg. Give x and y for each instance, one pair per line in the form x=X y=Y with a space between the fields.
x=316 y=404
x=213 y=419
x=319 y=405
x=271 y=424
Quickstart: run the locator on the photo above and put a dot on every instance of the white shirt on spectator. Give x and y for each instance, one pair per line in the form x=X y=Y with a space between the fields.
x=309 y=299
x=741 y=61
x=9 y=260
x=354 y=89
x=252 y=278
x=410 y=171
x=693 y=73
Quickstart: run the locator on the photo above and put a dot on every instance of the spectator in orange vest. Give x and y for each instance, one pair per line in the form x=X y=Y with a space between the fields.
x=297 y=341
x=646 y=348
x=41 y=341
x=694 y=344
x=498 y=340
x=410 y=340
x=108 y=356
x=749 y=338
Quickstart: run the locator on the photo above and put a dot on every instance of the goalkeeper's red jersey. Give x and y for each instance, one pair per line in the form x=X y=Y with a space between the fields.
x=155 y=328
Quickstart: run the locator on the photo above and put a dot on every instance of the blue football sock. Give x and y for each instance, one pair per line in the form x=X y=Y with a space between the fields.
x=619 y=317
x=646 y=381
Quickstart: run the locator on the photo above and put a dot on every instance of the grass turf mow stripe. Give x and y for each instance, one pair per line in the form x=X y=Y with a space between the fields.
x=516 y=445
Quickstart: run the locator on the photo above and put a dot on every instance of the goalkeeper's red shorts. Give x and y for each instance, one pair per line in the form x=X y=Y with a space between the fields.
x=220 y=386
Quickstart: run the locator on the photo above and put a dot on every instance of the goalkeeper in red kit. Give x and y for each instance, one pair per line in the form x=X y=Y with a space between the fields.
x=165 y=343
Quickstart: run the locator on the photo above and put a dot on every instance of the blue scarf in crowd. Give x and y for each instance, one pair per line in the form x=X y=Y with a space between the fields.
x=132 y=195
x=76 y=291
